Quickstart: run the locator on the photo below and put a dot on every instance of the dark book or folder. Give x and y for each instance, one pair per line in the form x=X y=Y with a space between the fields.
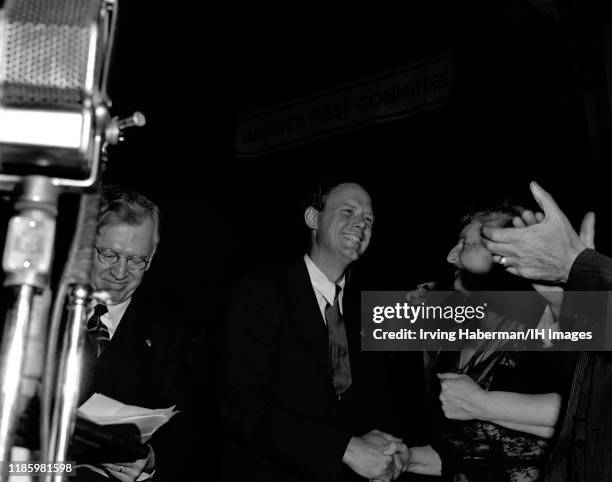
x=93 y=443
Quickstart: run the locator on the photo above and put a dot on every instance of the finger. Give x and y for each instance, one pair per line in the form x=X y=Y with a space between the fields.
x=392 y=448
x=115 y=467
x=544 y=200
x=528 y=217
x=449 y=376
x=398 y=466
x=430 y=285
x=402 y=448
x=116 y=473
x=503 y=248
x=518 y=222
x=539 y=216
x=505 y=261
x=514 y=271
x=389 y=437
x=502 y=235
x=388 y=464
x=587 y=230
x=389 y=449
x=127 y=471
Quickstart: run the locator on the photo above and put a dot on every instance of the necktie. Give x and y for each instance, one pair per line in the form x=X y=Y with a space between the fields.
x=339 y=363
x=97 y=331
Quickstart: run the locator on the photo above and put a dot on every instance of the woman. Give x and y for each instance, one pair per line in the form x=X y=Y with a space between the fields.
x=494 y=405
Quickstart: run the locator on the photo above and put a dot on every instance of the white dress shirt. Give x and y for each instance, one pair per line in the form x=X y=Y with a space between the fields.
x=324 y=289
x=112 y=317
x=111 y=320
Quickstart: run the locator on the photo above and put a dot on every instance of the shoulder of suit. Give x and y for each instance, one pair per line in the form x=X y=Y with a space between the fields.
x=272 y=277
x=155 y=313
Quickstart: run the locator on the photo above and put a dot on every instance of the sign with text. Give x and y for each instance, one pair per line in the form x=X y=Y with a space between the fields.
x=486 y=321
x=393 y=95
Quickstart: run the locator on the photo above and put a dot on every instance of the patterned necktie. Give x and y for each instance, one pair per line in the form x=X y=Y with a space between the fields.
x=338 y=346
x=97 y=331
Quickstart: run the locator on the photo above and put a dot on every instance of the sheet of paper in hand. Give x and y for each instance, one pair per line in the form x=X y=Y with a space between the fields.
x=105 y=411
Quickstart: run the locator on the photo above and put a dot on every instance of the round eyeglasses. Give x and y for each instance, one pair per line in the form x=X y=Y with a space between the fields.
x=134 y=263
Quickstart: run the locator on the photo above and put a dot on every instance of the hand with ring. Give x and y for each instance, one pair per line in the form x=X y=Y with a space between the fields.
x=130 y=471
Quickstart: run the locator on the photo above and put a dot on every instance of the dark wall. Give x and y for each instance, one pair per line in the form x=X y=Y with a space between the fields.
x=516 y=114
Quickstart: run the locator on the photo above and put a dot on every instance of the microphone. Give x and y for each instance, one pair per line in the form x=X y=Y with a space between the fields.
x=54 y=62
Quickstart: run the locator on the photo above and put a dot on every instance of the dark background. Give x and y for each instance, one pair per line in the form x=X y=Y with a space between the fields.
x=522 y=72
x=517 y=113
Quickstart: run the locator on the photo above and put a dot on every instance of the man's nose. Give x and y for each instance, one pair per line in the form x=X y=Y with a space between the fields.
x=453 y=255
x=120 y=268
x=359 y=222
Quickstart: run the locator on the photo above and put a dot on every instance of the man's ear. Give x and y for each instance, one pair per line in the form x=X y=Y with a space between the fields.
x=151 y=257
x=311 y=218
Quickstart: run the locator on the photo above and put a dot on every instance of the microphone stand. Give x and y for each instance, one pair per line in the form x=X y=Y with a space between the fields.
x=27 y=262
x=29 y=247
x=75 y=280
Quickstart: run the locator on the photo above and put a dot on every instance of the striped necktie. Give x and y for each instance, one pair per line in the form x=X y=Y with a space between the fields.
x=97 y=331
x=339 y=362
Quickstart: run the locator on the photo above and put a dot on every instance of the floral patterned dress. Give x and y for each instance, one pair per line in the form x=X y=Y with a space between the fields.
x=476 y=450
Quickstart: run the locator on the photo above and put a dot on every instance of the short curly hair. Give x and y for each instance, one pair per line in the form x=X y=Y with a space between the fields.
x=492 y=211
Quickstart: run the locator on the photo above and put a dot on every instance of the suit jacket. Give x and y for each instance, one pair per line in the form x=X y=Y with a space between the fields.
x=144 y=365
x=284 y=419
x=583 y=451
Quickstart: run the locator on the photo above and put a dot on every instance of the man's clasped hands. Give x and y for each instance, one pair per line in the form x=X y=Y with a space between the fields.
x=382 y=457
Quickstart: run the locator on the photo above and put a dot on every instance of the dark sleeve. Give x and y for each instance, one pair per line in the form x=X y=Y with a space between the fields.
x=590 y=271
x=251 y=411
x=173 y=441
x=587 y=303
x=408 y=403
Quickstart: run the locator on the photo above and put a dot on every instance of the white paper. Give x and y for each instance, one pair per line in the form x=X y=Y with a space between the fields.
x=106 y=411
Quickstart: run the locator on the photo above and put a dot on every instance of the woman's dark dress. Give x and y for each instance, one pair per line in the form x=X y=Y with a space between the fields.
x=475 y=450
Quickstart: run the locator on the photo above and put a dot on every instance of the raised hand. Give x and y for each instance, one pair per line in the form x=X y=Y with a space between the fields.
x=542 y=251
x=553 y=294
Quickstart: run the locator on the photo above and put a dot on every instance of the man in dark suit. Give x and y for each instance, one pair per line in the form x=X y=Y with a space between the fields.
x=299 y=400
x=137 y=350
x=549 y=249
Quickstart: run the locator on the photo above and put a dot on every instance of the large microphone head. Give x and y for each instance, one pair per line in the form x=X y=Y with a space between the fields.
x=54 y=57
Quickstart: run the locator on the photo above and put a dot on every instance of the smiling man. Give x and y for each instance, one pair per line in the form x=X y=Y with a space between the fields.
x=136 y=350
x=300 y=401
x=124 y=254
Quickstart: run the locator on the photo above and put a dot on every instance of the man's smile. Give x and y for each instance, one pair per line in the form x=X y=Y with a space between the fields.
x=353 y=239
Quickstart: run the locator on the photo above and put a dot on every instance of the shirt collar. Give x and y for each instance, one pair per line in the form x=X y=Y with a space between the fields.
x=115 y=313
x=326 y=288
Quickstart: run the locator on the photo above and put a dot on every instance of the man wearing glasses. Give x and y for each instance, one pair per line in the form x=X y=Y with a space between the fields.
x=136 y=350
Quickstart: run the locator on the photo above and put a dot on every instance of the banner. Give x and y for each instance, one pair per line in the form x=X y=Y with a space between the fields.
x=389 y=96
